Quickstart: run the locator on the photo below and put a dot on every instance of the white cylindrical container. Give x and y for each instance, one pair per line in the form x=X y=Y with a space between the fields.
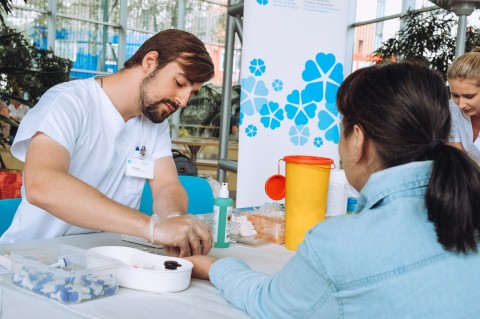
x=337 y=193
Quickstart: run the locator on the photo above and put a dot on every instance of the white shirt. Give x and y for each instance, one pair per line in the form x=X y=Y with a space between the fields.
x=462 y=131
x=80 y=116
x=19 y=113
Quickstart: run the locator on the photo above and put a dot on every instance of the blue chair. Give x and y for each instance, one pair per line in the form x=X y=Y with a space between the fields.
x=199 y=191
x=8 y=207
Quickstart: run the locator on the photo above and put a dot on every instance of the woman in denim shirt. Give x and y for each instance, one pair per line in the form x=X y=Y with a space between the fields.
x=410 y=249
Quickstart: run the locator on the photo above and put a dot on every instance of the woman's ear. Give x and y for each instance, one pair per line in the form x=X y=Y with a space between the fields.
x=150 y=61
x=358 y=140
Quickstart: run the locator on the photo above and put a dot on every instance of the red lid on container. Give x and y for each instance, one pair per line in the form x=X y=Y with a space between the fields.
x=275 y=187
x=305 y=159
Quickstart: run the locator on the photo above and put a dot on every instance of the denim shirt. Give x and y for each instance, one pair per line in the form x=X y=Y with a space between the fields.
x=384 y=261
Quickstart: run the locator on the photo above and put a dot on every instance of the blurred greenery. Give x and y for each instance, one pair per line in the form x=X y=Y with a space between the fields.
x=427 y=36
x=202 y=108
x=24 y=68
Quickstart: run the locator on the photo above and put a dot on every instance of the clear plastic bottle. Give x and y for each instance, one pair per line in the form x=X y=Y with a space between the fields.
x=337 y=193
x=222 y=215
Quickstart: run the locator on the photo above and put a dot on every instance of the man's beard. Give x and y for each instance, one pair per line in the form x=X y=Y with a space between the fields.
x=153 y=110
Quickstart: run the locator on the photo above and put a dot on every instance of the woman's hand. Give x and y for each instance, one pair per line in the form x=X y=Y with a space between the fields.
x=201 y=265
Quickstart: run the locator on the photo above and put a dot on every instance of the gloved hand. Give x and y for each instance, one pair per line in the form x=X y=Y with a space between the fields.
x=183 y=235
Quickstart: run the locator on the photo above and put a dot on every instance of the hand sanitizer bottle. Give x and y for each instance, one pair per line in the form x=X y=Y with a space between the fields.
x=222 y=214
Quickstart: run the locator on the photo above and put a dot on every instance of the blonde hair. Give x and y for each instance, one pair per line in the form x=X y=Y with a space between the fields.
x=466 y=66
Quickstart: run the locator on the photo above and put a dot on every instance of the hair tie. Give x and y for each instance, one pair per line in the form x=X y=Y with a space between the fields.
x=433 y=145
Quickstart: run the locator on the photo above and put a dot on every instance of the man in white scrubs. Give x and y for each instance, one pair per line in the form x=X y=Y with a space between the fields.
x=89 y=145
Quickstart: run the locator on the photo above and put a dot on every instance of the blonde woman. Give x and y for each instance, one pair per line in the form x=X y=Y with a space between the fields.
x=464 y=80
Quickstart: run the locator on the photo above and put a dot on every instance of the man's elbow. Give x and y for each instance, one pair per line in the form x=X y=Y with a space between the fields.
x=36 y=191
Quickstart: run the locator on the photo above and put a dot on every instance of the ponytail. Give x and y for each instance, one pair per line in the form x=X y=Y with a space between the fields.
x=452 y=199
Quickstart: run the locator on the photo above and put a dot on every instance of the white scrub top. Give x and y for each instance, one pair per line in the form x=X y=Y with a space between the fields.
x=462 y=132
x=80 y=116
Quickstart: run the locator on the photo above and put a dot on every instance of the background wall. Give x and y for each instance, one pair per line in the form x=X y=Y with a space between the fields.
x=292 y=65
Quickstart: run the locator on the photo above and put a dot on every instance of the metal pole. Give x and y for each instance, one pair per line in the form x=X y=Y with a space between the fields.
x=463 y=9
x=103 y=53
x=350 y=37
x=226 y=97
x=461 y=37
x=122 y=34
x=175 y=125
x=52 y=25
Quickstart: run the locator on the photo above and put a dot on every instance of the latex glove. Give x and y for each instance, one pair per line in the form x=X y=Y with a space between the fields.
x=183 y=235
x=201 y=266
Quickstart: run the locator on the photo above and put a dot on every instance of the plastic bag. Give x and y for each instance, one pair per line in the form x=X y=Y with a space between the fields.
x=10 y=183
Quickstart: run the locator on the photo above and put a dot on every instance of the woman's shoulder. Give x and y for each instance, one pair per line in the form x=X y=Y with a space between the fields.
x=454 y=109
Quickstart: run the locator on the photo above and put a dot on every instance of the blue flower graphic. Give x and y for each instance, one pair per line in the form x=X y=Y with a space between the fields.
x=262 y=2
x=299 y=134
x=240 y=120
x=277 y=85
x=299 y=111
x=324 y=77
x=318 y=141
x=272 y=115
x=253 y=95
x=329 y=120
x=257 y=67
x=251 y=130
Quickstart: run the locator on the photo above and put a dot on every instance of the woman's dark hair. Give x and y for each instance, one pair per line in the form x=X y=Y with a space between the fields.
x=403 y=110
x=180 y=46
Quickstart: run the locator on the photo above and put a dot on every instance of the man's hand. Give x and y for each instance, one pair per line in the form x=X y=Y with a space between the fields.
x=183 y=236
x=201 y=266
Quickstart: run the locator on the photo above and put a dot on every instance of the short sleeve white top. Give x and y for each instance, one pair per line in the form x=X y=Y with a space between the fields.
x=462 y=132
x=80 y=116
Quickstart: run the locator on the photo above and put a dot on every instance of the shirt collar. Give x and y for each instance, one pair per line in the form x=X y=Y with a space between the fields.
x=398 y=179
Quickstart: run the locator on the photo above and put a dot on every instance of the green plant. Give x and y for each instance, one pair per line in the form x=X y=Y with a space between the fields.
x=428 y=36
x=25 y=68
x=5 y=8
x=202 y=108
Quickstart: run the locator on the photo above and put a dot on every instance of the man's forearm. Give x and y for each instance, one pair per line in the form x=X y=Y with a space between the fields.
x=80 y=204
x=170 y=199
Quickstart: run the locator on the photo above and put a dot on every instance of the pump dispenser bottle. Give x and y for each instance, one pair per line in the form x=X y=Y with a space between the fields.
x=222 y=214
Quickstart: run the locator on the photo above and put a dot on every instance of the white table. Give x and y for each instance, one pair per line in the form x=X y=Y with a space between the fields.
x=200 y=300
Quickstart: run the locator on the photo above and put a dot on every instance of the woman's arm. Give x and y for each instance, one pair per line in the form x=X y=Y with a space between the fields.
x=299 y=290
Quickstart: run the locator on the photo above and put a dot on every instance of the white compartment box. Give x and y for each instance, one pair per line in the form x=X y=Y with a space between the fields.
x=65 y=273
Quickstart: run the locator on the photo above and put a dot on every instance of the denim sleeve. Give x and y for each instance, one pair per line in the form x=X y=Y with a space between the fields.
x=300 y=290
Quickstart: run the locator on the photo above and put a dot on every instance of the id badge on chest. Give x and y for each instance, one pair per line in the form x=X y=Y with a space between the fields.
x=140 y=168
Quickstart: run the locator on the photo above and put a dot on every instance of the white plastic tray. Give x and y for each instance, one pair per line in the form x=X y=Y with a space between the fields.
x=145 y=271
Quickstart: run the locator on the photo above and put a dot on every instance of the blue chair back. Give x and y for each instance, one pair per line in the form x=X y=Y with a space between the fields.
x=8 y=207
x=199 y=191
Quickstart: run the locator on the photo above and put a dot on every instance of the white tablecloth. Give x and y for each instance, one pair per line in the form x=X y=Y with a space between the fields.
x=200 y=300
